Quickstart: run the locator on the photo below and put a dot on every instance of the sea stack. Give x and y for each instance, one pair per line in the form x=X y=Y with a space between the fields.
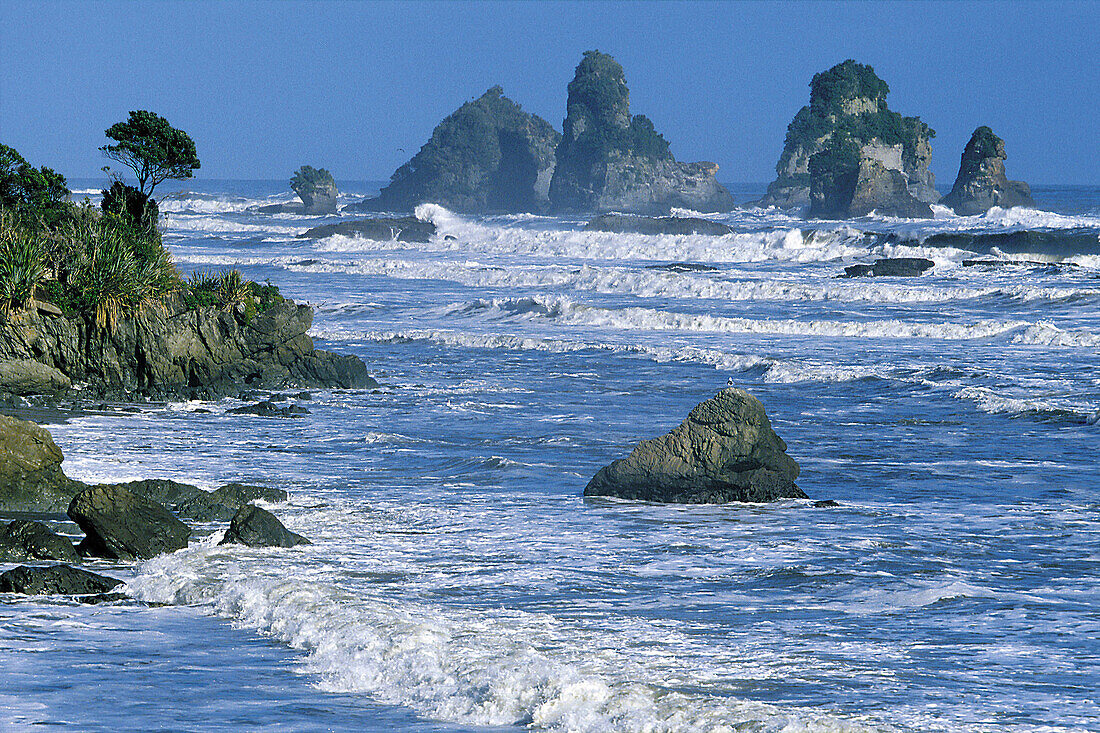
x=868 y=157
x=725 y=450
x=609 y=160
x=317 y=190
x=489 y=156
x=982 y=183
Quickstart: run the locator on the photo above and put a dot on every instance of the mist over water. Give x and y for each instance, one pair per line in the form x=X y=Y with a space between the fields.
x=459 y=581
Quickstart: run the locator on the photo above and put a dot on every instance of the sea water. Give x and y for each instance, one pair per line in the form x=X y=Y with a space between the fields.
x=458 y=580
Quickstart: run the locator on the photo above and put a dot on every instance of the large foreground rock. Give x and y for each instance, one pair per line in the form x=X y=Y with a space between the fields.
x=258 y=527
x=982 y=183
x=27 y=540
x=122 y=525
x=609 y=160
x=724 y=451
x=171 y=350
x=55 y=579
x=848 y=103
x=31 y=478
x=489 y=156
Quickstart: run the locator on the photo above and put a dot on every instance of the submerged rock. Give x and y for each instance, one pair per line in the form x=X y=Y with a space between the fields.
x=609 y=160
x=724 y=451
x=982 y=183
x=55 y=580
x=258 y=527
x=122 y=525
x=267 y=408
x=848 y=106
x=629 y=224
x=27 y=540
x=402 y=229
x=30 y=469
x=489 y=156
x=891 y=267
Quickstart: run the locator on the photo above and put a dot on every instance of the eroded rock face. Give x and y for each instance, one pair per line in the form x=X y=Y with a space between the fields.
x=848 y=102
x=982 y=183
x=258 y=527
x=847 y=180
x=724 y=451
x=489 y=156
x=55 y=579
x=30 y=469
x=170 y=350
x=317 y=190
x=26 y=540
x=609 y=160
x=122 y=525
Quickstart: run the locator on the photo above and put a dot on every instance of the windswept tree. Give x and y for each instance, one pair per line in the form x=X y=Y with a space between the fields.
x=37 y=193
x=153 y=149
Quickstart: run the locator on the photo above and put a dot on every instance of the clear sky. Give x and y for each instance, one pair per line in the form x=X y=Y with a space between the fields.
x=357 y=87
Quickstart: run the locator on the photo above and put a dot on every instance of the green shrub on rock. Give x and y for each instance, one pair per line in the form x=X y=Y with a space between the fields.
x=22 y=263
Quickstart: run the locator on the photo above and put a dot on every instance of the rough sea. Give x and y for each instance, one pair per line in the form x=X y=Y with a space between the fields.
x=459 y=581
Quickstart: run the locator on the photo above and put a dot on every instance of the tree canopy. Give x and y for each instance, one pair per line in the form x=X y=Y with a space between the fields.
x=153 y=149
x=39 y=193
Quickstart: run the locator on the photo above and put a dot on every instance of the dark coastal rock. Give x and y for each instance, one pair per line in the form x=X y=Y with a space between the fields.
x=123 y=525
x=191 y=502
x=172 y=350
x=258 y=527
x=489 y=156
x=27 y=540
x=55 y=580
x=266 y=408
x=29 y=377
x=609 y=160
x=724 y=451
x=402 y=229
x=848 y=105
x=825 y=503
x=683 y=267
x=891 y=267
x=982 y=183
x=317 y=190
x=630 y=224
x=237 y=495
x=31 y=478
x=1051 y=242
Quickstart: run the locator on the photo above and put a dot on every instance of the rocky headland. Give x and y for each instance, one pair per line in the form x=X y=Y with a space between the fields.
x=725 y=450
x=609 y=160
x=488 y=156
x=982 y=183
x=868 y=158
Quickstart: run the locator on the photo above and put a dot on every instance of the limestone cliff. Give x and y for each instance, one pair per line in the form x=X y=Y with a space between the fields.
x=489 y=156
x=849 y=100
x=982 y=183
x=609 y=160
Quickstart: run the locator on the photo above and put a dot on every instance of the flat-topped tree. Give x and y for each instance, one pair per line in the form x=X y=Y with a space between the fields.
x=849 y=100
x=611 y=160
x=316 y=188
x=153 y=149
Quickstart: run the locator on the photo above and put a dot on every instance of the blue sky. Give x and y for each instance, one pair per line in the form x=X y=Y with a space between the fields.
x=264 y=87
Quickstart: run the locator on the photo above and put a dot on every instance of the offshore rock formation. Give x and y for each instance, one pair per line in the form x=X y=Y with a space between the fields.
x=848 y=180
x=489 y=156
x=169 y=349
x=315 y=187
x=982 y=183
x=395 y=229
x=724 y=451
x=611 y=161
x=891 y=267
x=848 y=102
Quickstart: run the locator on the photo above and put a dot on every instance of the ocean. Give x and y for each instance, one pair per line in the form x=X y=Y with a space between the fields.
x=459 y=581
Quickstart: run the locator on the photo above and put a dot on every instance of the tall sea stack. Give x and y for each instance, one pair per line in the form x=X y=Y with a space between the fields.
x=489 y=156
x=982 y=183
x=869 y=157
x=609 y=160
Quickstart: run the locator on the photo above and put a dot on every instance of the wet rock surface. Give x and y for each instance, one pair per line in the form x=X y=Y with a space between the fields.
x=258 y=527
x=55 y=580
x=29 y=540
x=122 y=525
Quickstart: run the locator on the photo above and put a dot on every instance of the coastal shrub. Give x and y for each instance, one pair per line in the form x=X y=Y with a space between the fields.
x=132 y=207
x=22 y=263
x=307 y=178
x=153 y=149
x=36 y=196
x=228 y=289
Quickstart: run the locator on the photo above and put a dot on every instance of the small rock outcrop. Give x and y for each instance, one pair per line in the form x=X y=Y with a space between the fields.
x=55 y=580
x=27 y=540
x=630 y=224
x=174 y=350
x=394 y=229
x=122 y=525
x=31 y=478
x=982 y=183
x=317 y=190
x=489 y=156
x=191 y=502
x=885 y=153
x=29 y=377
x=258 y=527
x=724 y=451
x=609 y=160
x=891 y=267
